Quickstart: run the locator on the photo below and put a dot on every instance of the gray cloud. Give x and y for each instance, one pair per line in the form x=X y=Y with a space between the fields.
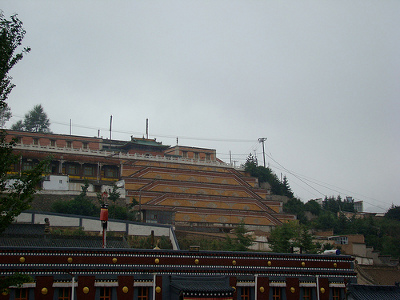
x=318 y=79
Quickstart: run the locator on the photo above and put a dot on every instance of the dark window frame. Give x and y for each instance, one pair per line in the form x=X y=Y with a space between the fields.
x=21 y=294
x=105 y=293
x=307 y=293
x=89 y=170
x=143 y=293
x=245 y=293
x=276 y=293
x=70 y=166
x=64 y=293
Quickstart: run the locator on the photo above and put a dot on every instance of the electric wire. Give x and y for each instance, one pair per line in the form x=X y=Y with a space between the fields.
x=335 y=189
x=252 y=149
x=152 y=135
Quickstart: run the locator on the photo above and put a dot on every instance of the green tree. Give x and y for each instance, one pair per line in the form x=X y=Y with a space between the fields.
x=251 y=162
x=35 y=120
x=343 y=224
x=19 y=125
x=115 y=210
x=122 y=213
x=267 y=175
x=346 y=205
x=287 y=191
x=16 y=192
x=290 y=235
x=336 y=205
x=11 y=36
x=241 y=242
x=281 y=237
x=114 y=194
x=325 y=221
x=330 y=204
x=16 y=279
x=80 y=205
x=305 y=241
x=296 y=207
x=393 y=213
x=5 y=115
x=313 y=207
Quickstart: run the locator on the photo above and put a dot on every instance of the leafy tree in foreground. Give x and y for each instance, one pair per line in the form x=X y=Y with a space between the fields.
x=5 y=115
x=16 y=279
x=16 y=192
x=11 y=36
x=35 y=120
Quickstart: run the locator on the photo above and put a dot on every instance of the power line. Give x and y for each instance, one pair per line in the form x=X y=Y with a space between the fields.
x=164 y=136
x=314 y=181
x=256 y=143
x=153 y=135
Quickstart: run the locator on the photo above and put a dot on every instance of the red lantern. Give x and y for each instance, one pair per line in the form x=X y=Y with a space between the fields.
x=104 y=214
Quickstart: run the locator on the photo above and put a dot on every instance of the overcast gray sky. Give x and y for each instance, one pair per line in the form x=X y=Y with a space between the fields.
x=318 y=79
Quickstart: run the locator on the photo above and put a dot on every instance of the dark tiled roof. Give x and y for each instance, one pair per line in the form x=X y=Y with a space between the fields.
x=202 y=284
x=24 y=229
x=33 y=235
x=61 y=242
x=145 y=143
x=373 y=292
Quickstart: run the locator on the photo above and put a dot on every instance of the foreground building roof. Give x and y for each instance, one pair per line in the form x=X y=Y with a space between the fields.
x=373 y=292
x=174 y=275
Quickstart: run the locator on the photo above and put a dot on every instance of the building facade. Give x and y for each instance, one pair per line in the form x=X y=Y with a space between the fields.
x=174 y=275
x=186 y=187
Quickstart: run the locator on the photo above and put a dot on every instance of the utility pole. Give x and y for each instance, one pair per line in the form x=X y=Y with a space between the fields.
x=262 y=140
x=147 y=128
x=110 y=127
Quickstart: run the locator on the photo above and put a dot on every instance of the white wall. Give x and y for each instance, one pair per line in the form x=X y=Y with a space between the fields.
x=56 y=183
x=94 y=224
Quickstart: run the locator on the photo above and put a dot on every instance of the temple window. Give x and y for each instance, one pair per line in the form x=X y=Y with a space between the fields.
x=21 y=294
x=64 y=293
x=105 y=293
x=277 y=293
x=143 y=293
x=245 y=293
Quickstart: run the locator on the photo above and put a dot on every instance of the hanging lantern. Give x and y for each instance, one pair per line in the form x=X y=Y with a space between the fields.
x=104 y=215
